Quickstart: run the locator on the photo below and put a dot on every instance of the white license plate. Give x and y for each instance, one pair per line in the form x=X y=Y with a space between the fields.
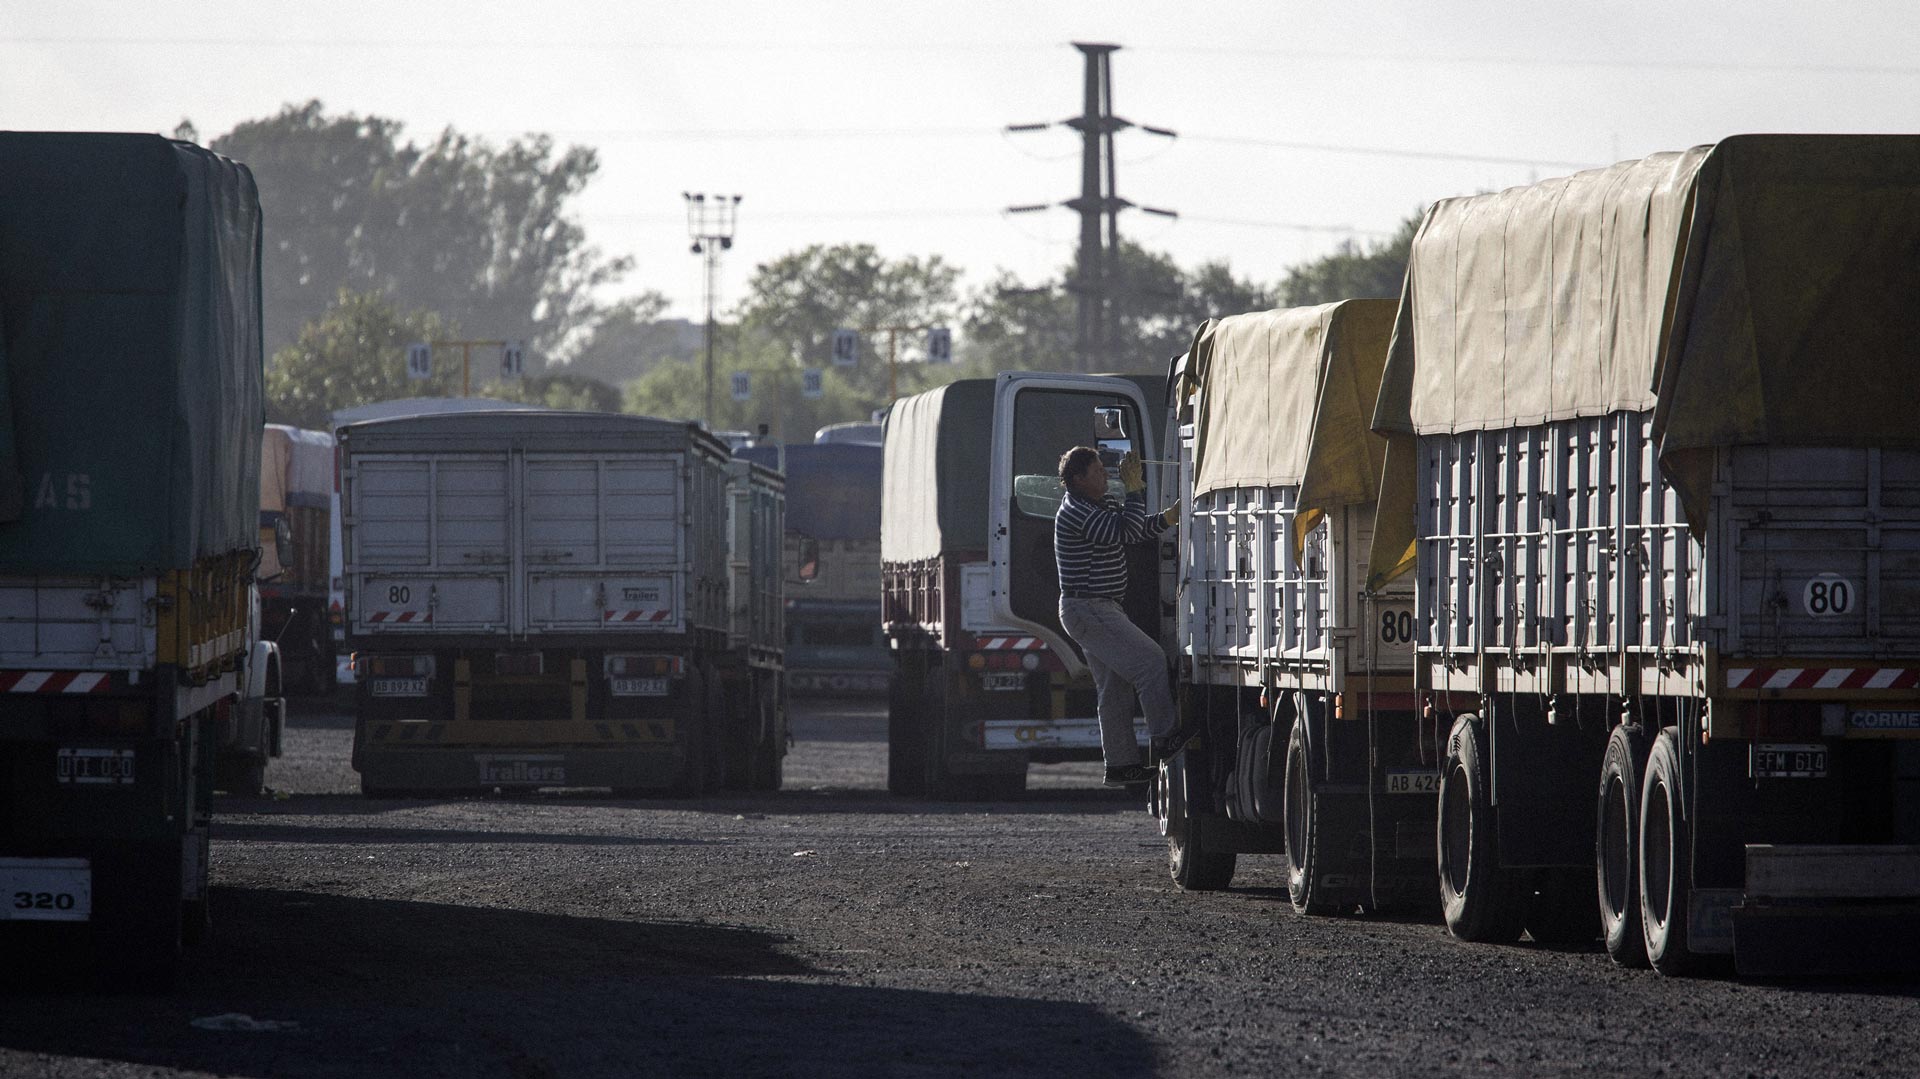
x=1781 y=760
x=398 y=687
x=102 y=767
x=1003 y=681
x=638 y=687
x=1413 y=782
x=45 y=890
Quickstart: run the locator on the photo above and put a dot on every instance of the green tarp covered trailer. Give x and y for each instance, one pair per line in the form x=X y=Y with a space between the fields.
x=130 y=349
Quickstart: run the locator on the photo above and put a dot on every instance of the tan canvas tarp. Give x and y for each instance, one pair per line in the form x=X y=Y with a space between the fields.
x=1764 y=289
x=934 y=471
x=1287 y=399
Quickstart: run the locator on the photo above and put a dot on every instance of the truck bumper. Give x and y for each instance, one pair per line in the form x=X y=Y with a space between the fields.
x=1818 y=910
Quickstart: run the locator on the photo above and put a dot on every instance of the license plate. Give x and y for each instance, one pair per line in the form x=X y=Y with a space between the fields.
x=399 y=687
x=104 y=767
x=639 y=687
x=1413 y=782
x=1779 y=760
x=45 y=890
x=1008 y=680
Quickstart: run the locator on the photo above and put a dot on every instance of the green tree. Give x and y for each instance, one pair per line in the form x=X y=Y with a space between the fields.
x=354 y=354
x=1158 y=306
x=1353 y=271
x=478 y=232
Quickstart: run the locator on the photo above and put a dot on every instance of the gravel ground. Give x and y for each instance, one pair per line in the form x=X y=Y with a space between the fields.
x=832 y=930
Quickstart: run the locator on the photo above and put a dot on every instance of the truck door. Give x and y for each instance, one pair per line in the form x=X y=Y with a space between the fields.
x=1036 y=418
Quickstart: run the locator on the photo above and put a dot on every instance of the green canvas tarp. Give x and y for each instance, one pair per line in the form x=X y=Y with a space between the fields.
x=130 y=341
x=1760 y=290
x=934 y=472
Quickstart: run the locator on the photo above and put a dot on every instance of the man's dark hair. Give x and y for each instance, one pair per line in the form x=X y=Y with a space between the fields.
x=1075 y=461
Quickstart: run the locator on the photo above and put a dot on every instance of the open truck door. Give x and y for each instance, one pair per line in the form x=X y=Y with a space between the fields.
x=1038 y=418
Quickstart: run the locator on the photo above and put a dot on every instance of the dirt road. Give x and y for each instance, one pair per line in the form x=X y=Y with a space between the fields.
x=831 y=930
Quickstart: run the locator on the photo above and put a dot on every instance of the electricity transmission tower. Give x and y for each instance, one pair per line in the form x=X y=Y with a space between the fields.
x=710 y=222
x=1096 y=277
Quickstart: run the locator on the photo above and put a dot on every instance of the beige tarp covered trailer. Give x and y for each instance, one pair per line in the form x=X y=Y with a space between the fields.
x=1289 y=398
x=1763 y=289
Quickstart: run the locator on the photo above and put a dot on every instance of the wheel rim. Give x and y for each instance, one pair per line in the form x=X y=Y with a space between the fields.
x=1615 y=850
x=1456 y=816
x=1296 y=811
x=1657 y=855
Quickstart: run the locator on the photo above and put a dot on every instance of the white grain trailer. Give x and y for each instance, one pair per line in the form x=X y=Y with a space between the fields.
x=1303 y=673
x=553 y=599
x=1654 y=451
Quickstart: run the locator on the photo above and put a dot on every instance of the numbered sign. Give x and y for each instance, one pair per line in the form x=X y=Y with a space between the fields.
x=513 y=359
x=1828 y=595
x=940 y=345
x=419 y=361
x=742 y=386
x=812 y=383
x=846 y=348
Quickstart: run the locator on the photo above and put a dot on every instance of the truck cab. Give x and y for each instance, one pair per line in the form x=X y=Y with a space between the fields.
x=986 y=680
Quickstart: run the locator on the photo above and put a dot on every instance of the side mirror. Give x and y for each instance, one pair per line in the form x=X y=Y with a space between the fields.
x=283 y=541
x=1110 y=434
x=809 y=567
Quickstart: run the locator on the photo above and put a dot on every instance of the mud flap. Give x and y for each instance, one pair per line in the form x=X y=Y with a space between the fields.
x=1824 y=940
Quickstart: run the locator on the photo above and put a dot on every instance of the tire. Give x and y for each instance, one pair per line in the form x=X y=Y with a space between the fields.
x=1306 y=858
x=1479 y=898
x=1666 y=873
x=1560 y=907
x=242 y=777
x=767 y=762
x=695 y=774
x=1193 y=867
x=1616 y=845
x=141 y=954
x=906 y=734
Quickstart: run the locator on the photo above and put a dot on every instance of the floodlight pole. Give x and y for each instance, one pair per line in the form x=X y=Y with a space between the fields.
x=710 y=223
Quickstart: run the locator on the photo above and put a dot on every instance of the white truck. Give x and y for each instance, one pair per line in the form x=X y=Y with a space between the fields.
x=554 y=599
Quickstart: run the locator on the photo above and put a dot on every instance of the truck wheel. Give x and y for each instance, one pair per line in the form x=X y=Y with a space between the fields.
x=1616 y=845
x=141 y=952
x=1193 y=867
x=906 y=735
x=1479 y=898
x=1305 y=856
x=697 y=735
x=1665 y=858
x=1560 y=907
x=768 y=759
x=242 y=777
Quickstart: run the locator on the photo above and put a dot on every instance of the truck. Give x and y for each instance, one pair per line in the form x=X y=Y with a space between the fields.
x=985 y=680
x=1300 y=673
x=835 y=644
x=1653 y=463
x=560 y=599
x=296 y=529
x=129 y=654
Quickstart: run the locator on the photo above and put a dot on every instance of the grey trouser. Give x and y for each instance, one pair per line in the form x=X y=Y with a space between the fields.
x=1124 y=662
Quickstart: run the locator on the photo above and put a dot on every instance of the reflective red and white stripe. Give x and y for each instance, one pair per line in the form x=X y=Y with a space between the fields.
x=1823 y=677
x=642 y=615
x=400 y=616
x=1012 y=644
x=54 y=682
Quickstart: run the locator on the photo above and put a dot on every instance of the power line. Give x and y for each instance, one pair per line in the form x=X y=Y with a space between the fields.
x=1381 y=151
x=842 y=47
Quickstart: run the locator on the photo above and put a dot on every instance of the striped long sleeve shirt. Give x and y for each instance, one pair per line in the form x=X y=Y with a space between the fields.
x=1089 y=540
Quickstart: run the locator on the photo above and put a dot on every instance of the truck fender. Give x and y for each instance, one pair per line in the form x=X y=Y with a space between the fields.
x=264 y=687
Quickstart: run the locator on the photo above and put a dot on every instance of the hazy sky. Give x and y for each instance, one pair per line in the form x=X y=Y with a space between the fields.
x=880 y=120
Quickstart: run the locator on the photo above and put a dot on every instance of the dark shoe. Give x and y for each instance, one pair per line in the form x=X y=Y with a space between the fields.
x=1130 y=775
x=1169 y=746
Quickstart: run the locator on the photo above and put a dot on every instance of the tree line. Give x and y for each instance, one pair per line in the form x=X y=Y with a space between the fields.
x=376 y=240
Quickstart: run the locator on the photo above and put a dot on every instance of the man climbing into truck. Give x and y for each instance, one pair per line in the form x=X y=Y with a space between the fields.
x=1090 y=533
